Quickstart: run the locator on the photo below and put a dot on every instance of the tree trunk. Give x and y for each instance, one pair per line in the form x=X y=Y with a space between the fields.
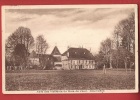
x=104 y=69
x=117 y=63
x=110 y=62
x=125 y=62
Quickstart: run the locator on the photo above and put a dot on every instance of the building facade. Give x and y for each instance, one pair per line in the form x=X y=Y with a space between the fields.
x=46 y=61
x=77 y=58
x=33 y=59
x=73 y=58
x=43 y=61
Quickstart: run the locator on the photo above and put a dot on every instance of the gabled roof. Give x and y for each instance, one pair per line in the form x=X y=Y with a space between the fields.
x=33 y=54
x=55 y=51
x=44 y=56
x=78 y=53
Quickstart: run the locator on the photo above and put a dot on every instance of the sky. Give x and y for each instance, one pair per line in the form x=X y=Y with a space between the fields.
x=67 y=27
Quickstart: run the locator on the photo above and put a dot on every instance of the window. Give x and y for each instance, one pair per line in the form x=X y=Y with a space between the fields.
x=87 y=62
x=90 y=61
x=73 y=62
x=83 y=67
x=81 y=61
x=76 y=61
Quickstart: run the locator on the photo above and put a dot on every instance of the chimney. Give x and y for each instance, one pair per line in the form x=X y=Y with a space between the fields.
x=68 y=47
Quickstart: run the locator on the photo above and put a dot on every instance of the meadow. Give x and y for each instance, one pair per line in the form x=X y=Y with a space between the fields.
x=28 y=80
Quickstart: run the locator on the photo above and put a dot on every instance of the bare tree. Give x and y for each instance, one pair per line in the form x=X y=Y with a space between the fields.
x=124 y=37
x=41 y=48
x=41 y=45
x=124 y=33
x=105 y=48
x=21 y=35
x=129 y=33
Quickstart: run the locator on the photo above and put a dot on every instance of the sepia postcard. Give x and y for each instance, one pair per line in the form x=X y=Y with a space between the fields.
x=61 y=49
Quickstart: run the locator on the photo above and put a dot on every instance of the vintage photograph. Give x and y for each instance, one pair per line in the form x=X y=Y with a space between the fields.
x=49 y=49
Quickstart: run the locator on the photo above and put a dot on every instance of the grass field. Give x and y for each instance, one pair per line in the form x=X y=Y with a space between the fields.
x=69 y=80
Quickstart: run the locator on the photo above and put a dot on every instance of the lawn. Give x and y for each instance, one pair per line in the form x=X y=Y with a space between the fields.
x=69 y=80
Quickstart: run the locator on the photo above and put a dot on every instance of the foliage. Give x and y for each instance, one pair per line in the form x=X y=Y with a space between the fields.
x=20 y=54
x=41 y=48
x=99 y=59
x=119 y=52
x=41 y=45
x=124 y=33
x=22 y=35
x=105 y=49
x=17 y=46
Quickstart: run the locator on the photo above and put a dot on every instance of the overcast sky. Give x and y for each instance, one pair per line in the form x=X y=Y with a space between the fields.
x=73 y=27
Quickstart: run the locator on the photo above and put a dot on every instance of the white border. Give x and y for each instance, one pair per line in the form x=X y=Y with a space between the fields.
x=70 y=6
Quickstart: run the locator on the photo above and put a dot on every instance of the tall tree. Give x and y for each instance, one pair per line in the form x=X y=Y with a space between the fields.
x=41 y=45
x=124 y=33
x=105 y=48
x=99 y=60
x=124 y=39
x=128 y=33
x=22 y=35
x=41 y=48
x=20 y=55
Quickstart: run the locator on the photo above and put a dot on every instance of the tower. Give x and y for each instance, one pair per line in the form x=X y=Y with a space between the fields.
x=55 y=52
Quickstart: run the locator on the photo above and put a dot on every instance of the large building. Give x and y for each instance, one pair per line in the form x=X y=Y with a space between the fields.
x=77 y=58
x=47 y=61
x=73 y=58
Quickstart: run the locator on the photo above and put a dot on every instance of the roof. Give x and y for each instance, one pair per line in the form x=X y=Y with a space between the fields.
x=57 y=59
x=33 y=54
x=55 y=51
x=45 y=55
x=78 y=53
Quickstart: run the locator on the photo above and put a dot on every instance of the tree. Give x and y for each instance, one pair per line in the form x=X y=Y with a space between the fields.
x=105 y=48
x=124 y=33
x=20 y=56
x=41 y=45
x=124 y=39
x=20 y=50
x=125 y=56
x=22 y=35
x=41 y=48
x=99 y=59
